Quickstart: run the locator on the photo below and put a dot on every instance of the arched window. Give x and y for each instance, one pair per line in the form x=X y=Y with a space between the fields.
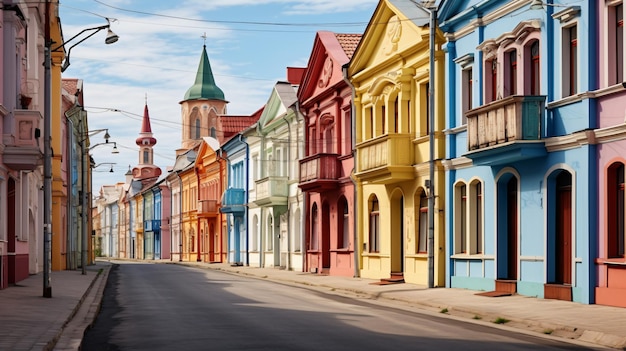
x=422 y=238
x=213 y=133
x=314 y=228
x=476 y=218
x=535 y=77
x=270 y=233
x=511 y=74
x=343 y=225
x=374 y=230
x=615 y=209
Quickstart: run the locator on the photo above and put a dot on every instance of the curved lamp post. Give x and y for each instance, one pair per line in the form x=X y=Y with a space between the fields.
x=85 y=198
x=47 y=166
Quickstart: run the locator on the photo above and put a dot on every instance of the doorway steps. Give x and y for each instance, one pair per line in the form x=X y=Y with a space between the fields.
x=395 y=278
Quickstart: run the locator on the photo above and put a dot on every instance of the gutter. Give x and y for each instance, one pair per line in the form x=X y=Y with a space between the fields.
x=355 y=226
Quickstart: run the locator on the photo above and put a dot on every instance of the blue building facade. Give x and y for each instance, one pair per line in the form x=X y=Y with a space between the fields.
x=520 y=168
x=235 y=199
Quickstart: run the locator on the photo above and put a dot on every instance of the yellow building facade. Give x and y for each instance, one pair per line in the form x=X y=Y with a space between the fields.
x=58 y=144
x=189 y=215
x=389 y=73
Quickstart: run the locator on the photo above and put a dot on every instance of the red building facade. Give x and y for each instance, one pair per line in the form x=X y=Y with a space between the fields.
x=328 y=161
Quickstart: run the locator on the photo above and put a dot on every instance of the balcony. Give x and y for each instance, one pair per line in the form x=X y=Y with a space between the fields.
x=207 y=208
x=151 y=225
x=386 y=159
x=271 y=190
x=320 y=172
x=506 y=130
x=23 y=148
x=233 y=201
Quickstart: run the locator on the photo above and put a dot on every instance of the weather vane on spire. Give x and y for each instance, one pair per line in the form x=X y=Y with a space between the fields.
x=203 y=36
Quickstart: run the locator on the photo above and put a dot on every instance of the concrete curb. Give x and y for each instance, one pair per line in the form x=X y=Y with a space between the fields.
x=71 y=335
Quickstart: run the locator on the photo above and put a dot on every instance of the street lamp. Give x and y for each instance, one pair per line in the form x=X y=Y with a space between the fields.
x=106 y=163
x=47 y=165
x=84 y=202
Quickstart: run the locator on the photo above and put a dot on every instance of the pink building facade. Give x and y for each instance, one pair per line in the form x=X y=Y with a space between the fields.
x=328 y=162
x=611 y=146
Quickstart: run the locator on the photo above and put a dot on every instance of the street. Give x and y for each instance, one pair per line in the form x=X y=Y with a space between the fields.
x=172 y=307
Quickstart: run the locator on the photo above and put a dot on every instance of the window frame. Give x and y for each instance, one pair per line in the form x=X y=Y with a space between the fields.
x=374 y=225
x=615 y=200
x=570 y=60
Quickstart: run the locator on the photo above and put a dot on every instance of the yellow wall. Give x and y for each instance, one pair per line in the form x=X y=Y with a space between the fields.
x=59 y=190
x=189 y=230
x=390 y=71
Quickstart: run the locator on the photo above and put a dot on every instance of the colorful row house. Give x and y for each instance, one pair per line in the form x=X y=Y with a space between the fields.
x=274 y=199
x=485 y=153
x=534 y=126
x=327 y=166
x=610 y=136
x=22 y=103
x=389 y=73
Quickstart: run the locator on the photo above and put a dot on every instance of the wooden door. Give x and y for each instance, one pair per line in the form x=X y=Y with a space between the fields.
x=512 y=225
x=563 y=247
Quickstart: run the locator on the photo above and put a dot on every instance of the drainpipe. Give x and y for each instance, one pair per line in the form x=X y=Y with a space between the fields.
x=71 y=244
x=219 y=157
x=261 y=249
x=355 y=237
x=229 y=217
x=198 y=259
x=295 y=110
x=180 y=217
x=247 y=163
x=431 y=185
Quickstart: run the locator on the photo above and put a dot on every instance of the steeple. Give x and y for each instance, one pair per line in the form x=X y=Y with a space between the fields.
x=146 y=169
x=204 y=87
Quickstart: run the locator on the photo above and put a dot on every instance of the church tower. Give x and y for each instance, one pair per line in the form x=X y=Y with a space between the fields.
x=202 y=107
x=146 y=168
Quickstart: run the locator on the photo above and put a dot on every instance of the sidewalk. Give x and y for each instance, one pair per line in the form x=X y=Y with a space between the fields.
x=31 y=322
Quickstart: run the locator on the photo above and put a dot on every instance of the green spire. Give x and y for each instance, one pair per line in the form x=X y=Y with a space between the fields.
x=204 y=87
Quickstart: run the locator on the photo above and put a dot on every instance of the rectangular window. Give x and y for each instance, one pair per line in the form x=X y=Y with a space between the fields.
x=619 y=43
x=511 y=84
x=383 y=120
x=463 y=224
x=372 y=125
x=615 y=210
x=395 y=116
x=467 y=86
x=491 y=76
x=427 y=104
x=570 y=61
x=535 y=78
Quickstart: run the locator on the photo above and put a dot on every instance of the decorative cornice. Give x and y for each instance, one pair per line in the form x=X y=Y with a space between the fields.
x=567 y=14
x=457 y=163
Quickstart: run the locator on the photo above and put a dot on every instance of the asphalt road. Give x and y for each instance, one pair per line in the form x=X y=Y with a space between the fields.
x=173 y=307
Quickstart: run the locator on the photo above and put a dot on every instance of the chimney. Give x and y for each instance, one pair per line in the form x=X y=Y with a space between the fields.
x=295 y=74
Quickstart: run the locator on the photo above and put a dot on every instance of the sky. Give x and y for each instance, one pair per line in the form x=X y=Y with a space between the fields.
x=250 y=44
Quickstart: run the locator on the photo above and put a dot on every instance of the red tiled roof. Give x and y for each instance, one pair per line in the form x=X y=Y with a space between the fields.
x=348 y=42
x=70 y=85
x=235 y=124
